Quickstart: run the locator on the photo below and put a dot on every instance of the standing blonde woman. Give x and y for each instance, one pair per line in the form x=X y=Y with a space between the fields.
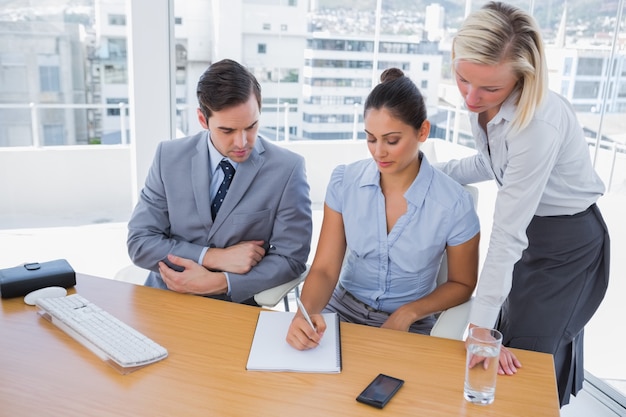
x=547 y=267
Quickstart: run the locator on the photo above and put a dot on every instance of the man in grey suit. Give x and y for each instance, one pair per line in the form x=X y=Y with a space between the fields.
x=260 y=236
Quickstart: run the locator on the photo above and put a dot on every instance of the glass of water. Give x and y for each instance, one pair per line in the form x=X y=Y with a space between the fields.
x=481 y=367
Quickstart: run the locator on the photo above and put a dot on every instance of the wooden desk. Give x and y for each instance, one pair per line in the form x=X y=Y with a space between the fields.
x=43 y=372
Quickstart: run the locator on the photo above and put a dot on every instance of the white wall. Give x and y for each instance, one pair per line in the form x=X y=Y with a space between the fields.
x=66 y=184
x=92 y=184
x=69 y=185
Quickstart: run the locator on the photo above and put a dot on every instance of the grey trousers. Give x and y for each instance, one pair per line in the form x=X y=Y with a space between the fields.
x=351 y=310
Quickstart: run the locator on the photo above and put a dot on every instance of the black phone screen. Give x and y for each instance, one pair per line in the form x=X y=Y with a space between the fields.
x=380 y=390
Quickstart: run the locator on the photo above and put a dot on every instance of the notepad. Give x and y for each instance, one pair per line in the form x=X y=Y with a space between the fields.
x=271 y=352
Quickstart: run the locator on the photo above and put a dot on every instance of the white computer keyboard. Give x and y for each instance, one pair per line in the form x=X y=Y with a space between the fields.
x=102 y=333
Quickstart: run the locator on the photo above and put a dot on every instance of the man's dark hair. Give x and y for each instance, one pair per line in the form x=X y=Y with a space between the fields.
x=225 y=84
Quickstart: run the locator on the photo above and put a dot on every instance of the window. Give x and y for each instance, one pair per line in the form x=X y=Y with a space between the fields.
x=341 y=82
x=181 y=75
x=328 y=118
x=261 y=48
x=49 y=76
x=567 y=67
x=116 y=48
x=275 y=75
x=337 y=63
x=181 y=54
x=13 y=73
x=587 y=89
x=353 y=100
x=15 y=134
x=622 y=90
x=115 y=111
x=403 y=65
x=115 y=73
x=267 y=26
x=590 y=66
x=565 y=88
x=394 y=47
x=117 y=20
x=425 y=66
x=340 y=45
x=283 y=28
x=53 y=135
x=273 y=105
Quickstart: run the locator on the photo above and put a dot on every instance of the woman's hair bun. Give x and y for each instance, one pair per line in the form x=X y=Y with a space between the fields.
x=391 y=74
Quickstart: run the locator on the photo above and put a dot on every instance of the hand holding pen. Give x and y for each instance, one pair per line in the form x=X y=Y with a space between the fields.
x=304 y=312
x=305 y=331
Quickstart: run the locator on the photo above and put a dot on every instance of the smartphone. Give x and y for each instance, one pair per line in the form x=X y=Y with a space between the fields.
x=380 y=390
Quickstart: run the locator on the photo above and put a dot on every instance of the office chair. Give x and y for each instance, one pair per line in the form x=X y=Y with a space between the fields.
x=132 y=273
x=268 y=298
x=272 y=296
x=452 y=323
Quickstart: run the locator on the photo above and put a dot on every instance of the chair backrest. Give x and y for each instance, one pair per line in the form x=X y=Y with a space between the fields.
x=270 y=297
x=442 y=275
x=452 y=323
x=473 y=190
x=133 y=274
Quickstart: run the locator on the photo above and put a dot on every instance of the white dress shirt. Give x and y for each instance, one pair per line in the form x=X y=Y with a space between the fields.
x=217 y=176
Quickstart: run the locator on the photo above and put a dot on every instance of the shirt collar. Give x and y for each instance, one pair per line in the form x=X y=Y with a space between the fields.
x=371 y=176
x=507 y=109
x=416 y=193
x=215 y=157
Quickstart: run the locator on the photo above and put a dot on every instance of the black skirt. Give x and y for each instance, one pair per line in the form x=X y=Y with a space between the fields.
x=557 y=286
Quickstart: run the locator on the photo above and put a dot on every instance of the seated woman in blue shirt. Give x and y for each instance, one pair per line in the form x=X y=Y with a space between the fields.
x=387 y=222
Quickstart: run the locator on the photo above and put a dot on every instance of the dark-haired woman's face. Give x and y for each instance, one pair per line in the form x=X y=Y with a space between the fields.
x=394 y=145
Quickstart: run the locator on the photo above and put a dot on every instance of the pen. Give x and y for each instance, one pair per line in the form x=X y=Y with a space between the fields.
x=304 y=313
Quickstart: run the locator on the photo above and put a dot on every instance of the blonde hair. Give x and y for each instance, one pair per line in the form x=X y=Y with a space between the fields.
x=501 y=33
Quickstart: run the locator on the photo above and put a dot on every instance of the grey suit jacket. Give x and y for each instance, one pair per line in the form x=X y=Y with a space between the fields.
x=268 y=200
